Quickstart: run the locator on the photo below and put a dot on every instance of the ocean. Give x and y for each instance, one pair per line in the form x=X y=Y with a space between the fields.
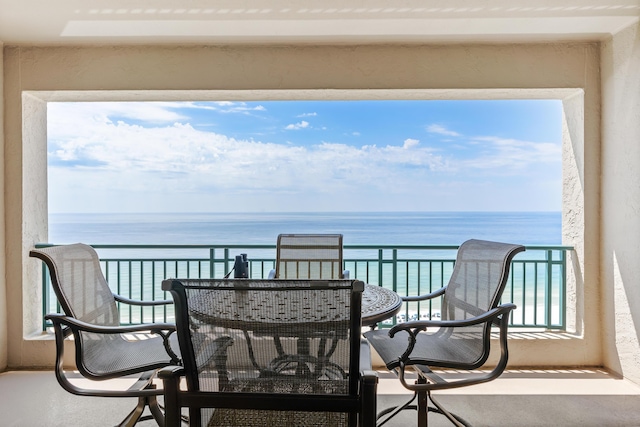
x=375 y=228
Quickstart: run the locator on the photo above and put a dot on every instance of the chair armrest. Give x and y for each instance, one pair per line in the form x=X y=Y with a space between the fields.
x=171 y=372
x=420 y=325
x=369 y=386
x=365 y=356
x=79 y=325
x=125 y=300
x=432 y=295
x=170 y=377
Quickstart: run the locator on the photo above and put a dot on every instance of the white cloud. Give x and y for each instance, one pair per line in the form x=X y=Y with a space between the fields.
x=239 y=107
x=71 y=115
x=307 y=115
x=408 y=143
x=194 y=160
x=434 y=128
x=295 y=126
x=95 y=158
x=512 y=155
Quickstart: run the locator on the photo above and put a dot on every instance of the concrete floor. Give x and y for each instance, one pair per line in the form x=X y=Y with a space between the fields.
x=580 y=397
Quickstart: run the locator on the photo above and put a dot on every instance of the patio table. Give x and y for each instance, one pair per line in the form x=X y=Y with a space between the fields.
x=378 y=304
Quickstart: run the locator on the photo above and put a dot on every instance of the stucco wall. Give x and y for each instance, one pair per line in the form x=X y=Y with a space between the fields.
x=448 y=71
x=621 y=201
x=3 y=283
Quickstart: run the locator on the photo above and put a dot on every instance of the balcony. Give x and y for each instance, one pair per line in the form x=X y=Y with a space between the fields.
x=537 y=284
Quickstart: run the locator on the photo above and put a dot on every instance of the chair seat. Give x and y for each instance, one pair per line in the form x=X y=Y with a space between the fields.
x=111 y=356
x=462 y=351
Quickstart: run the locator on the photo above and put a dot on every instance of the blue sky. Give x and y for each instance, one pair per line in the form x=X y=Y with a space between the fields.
x=297 y=156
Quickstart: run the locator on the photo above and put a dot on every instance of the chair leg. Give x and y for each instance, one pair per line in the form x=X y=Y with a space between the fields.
x=423 y=402
x=423 y=408
x=135 y=414
x=395 y=410
x=455 y=419
x=156 y=411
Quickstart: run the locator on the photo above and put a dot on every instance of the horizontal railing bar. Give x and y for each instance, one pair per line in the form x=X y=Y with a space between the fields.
x=273 y=246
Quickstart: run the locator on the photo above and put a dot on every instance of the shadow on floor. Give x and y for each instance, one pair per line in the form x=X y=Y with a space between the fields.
x=518 y=399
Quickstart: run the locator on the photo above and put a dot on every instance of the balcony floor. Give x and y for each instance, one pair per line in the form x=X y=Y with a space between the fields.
x=568 y=397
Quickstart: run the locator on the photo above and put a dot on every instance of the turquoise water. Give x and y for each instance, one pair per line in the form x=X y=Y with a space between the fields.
x=404 y=228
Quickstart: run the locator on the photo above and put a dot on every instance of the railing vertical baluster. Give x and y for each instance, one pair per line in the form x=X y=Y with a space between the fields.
x=153 y=290
x=549 y=259
x=394 y=269
x=46 y=294
x=430 y=288
x=380 y=267
x=142 y=290
x=511 y=286
x=535 y=293
x=118 y=281
x=226 y=261
x=164 y=295
x=562 y=292
x=212 y=256
x=419 y=288
x=130 y=290
x=524 y=293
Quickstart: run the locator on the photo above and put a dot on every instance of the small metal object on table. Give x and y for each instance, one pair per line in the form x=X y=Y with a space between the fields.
x=379 y=304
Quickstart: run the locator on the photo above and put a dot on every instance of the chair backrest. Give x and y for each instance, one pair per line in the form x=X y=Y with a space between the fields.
x=476 y=285
x=294 y=342
x=309 y=256
x=80 y=286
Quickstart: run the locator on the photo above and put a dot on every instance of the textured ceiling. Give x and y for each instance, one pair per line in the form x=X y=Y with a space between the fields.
x=306 y=21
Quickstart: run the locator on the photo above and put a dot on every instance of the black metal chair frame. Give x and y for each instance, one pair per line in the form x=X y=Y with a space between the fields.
x=360 y=402
x=428 y=380
x=66 y=324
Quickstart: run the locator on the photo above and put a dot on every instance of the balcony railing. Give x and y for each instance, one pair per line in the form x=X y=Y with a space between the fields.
x=536 y=284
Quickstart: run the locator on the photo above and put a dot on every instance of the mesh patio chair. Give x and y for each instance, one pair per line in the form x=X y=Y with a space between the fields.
x=461 y=339
x=309 y=256
x=101 y=347
x=236 y=377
